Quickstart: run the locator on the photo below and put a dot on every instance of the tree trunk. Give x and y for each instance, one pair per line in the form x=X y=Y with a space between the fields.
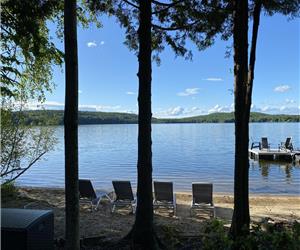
x=71 y=126
x=241 y=216
x=256 y=16
x=143 y=234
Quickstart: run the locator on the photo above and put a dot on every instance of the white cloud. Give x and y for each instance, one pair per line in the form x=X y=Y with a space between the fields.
x=282 y=88
x=91 y=44
x=104 y=108
x=277 y=109
x=213 y=79
x=102 y=43
x=79 y=91
x=45 y=105
x=53 y=105
x=189 y=92
x=290 y=101
x=172 y=112
x=177 y=112
x=218 y=108
x=130 y=93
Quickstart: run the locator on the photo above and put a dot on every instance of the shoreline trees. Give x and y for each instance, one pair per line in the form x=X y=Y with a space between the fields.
x=188 y=20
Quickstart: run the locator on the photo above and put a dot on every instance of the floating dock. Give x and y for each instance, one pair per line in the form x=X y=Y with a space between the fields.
x=274 y=155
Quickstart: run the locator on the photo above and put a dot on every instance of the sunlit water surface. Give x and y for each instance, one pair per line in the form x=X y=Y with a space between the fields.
x=182 y=153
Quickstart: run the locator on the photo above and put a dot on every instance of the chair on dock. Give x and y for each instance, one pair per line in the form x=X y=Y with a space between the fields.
x=264 y=144
x=87 y=194
x=287 y=145
x=123 y=195
x=203 y=197
x=164 y=196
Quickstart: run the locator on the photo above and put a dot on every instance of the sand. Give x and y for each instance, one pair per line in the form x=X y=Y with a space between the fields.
x=113 y=226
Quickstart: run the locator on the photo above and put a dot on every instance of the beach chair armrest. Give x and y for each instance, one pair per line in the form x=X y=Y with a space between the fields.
x=255 y=145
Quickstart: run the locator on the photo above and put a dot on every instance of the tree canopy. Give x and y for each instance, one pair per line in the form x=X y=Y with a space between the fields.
x=28 y=51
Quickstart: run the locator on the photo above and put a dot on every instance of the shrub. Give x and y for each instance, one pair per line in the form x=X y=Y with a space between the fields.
x=274 y=236
x=215 y=236
x=8 y=190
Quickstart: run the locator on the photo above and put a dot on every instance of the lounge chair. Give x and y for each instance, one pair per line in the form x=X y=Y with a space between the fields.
x=202 y=197
x=123 y=195
x=87 y=194
x=287 y=145
x=264 y=144
x=164 y=196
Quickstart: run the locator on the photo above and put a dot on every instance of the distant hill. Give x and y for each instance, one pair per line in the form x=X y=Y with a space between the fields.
x=55 y=117
x=229 y=117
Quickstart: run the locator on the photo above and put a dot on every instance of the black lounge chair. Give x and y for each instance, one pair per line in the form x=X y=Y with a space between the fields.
x=87 y=194
x=164 y=196
x=264 y=144
x=287 y=145
x=202 y=197
x=123 y=195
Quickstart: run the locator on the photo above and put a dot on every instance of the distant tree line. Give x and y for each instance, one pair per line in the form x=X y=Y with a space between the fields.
x=150 y=26
x=55 y=117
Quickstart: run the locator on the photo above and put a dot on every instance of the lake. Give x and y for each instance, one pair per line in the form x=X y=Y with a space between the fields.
x=182 y=153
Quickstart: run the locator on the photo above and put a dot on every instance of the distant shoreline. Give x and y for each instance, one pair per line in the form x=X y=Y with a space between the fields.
x=55 y=117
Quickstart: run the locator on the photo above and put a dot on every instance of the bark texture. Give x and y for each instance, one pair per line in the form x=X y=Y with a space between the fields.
x=143 y=233
x=241 y=216
x=71 y=126
x=256 y=17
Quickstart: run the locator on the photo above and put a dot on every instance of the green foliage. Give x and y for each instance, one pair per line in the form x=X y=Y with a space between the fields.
x=215 y=236
x=170 y=235
x=288 y=8
x=173 y=23
x=28 y=53
x=229 y=118
x=21 y=145
x=8 y=190
x=273 y=236
x=55 y=117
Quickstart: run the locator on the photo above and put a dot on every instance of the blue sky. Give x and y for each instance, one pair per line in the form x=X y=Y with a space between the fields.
x=108 y=81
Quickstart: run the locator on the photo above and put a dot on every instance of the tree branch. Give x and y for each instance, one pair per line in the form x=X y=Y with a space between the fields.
x=25 y=169
x=168 y=6
x=175 y=28
x=256 y=19
x=131 y=4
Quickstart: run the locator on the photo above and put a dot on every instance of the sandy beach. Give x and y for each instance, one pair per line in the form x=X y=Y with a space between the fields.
x=113 y=226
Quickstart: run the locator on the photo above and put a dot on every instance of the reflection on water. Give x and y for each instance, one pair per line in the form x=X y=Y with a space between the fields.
x=182 y=153
x=286 y=167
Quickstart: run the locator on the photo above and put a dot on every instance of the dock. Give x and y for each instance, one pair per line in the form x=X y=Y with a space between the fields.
x=274 y=154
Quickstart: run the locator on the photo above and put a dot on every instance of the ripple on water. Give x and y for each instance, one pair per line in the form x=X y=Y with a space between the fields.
x=182 y=153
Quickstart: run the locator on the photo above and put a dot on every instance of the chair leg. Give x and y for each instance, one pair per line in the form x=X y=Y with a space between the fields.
x=214 y=212
x=113 y=208
x=98 y=203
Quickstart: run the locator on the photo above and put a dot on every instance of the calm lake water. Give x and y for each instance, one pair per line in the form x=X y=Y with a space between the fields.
x=182 y=153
